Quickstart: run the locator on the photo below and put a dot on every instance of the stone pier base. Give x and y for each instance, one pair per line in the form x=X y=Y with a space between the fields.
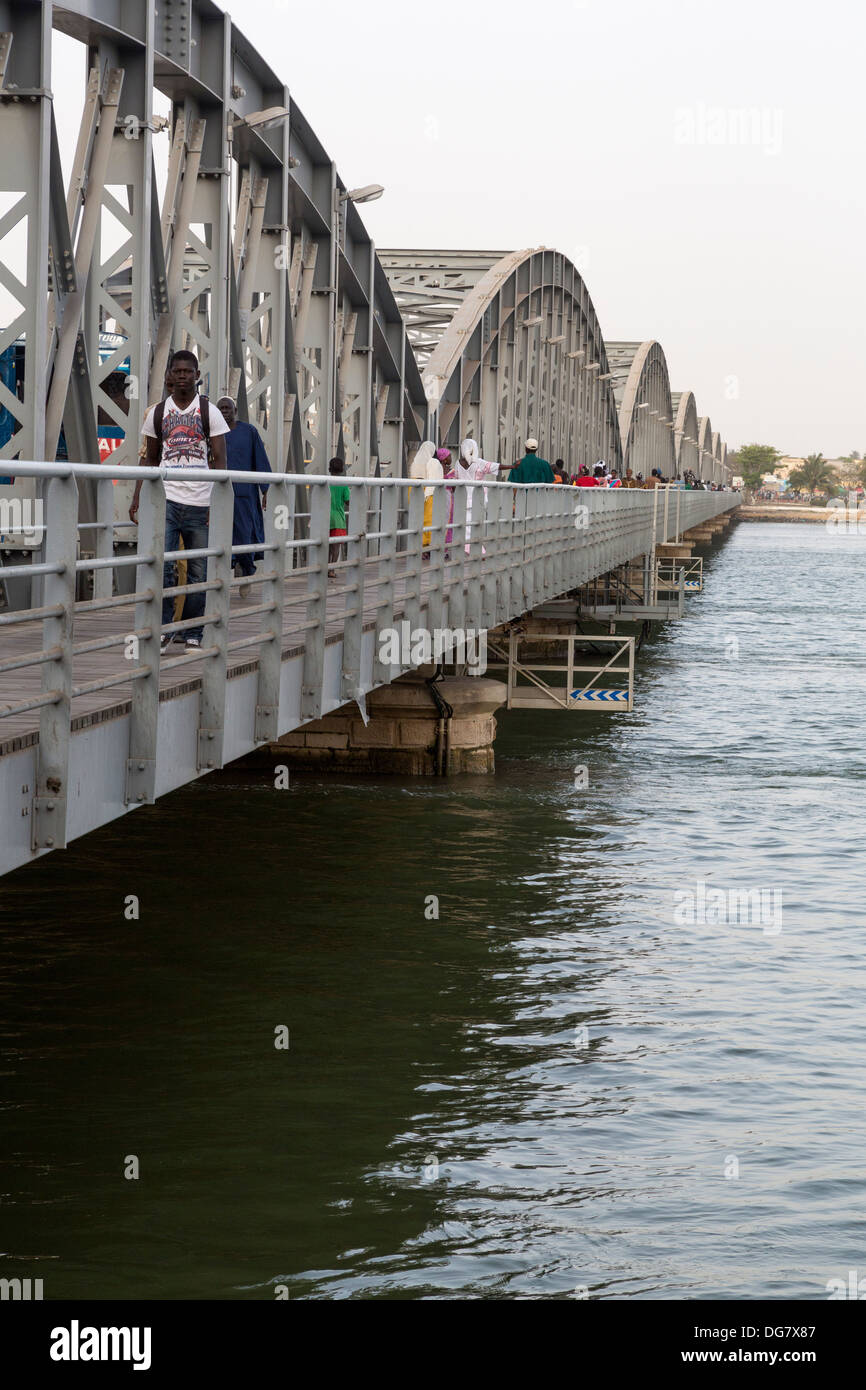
x=708 y=530
x=674 y=550
x=403 y=732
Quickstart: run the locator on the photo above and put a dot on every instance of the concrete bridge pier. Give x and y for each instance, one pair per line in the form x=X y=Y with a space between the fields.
x=708 y=530
x=675 y=550
x=410 y=731
x=702 y=535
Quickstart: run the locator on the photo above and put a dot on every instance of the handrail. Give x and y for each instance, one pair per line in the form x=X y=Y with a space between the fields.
x=503 y=549
x=132 y=473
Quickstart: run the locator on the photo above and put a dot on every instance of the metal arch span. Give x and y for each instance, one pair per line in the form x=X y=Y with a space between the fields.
x=510 y=346
x=643 y=392
x=465 y=311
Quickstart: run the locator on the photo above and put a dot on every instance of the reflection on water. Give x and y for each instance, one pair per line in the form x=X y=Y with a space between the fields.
x=552 y=1087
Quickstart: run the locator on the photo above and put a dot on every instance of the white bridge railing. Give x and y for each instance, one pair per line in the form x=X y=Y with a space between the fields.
x=526 y=544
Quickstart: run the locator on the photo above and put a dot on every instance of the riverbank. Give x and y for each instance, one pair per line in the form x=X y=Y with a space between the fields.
x=768 y=512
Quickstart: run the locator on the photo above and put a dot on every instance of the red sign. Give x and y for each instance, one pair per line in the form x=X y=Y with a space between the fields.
x=107 y=445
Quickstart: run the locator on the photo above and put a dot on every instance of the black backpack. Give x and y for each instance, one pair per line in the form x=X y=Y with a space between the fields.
x=204 y=407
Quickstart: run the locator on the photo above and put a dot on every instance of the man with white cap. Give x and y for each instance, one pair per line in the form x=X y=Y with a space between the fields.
x=532 y=469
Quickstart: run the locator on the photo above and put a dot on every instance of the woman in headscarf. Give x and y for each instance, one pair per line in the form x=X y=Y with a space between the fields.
x=426 y=465
x=472 y=468
x=444 y=457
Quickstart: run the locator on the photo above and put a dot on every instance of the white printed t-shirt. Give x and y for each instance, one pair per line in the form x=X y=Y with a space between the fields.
x=184 y=446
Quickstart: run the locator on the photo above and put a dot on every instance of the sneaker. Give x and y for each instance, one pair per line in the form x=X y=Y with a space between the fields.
x=245 y=589
x=193 y=644
x=165 y=640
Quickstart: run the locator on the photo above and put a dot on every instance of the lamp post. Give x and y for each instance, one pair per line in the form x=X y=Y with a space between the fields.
x=368 y=194
x=341 y=199
x=266 y=119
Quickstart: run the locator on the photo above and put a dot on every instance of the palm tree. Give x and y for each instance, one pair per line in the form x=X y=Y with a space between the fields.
x=815 y=475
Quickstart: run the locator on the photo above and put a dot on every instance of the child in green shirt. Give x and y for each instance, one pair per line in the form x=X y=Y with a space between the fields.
x=339 y=502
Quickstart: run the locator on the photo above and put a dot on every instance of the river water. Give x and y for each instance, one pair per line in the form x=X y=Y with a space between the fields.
x=591 y=1076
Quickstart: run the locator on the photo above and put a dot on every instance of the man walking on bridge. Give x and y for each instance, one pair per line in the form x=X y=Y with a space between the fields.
x=532 y=469
x=179 y=437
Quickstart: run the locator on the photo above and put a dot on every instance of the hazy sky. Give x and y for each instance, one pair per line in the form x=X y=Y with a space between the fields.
x=702 y=163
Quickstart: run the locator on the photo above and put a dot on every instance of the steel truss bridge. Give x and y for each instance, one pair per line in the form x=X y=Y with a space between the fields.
x=256 y=257
x=202 y=211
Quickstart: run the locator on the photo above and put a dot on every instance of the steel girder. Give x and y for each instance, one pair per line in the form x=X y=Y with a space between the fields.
x=705 y=448
x=256 y=260
x=27 y=192
x=719 y=471
x=685 y=410
x=510 y=347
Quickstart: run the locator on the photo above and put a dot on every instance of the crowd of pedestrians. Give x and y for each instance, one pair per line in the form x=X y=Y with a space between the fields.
x=435 y=465
x=185 y=430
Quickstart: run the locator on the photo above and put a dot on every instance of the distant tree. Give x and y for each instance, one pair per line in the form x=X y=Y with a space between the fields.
x=815 y=475
x=752 y=461
x=850 y=471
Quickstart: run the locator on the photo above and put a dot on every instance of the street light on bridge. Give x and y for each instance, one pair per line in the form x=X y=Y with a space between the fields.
x=266 y=119
x=368 y=194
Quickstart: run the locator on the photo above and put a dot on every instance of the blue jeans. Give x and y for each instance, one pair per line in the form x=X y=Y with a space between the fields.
x=191 y=525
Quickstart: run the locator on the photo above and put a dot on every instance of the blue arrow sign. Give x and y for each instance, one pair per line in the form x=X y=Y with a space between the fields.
x=601 y=696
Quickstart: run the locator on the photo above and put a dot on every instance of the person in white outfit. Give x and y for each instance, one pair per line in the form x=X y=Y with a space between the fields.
x=426 y=465
x=471 y=467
